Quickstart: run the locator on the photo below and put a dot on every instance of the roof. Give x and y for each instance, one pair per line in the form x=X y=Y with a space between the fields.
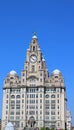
x=12 y=72
x=34 y=37
x=56 y=71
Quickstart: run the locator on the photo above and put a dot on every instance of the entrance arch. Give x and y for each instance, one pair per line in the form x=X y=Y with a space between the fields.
x=31 y=121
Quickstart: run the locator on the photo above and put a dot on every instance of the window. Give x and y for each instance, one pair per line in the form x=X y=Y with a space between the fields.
x=57 y=95
x=22 y=95
x=18 y=107
x=40 y=106
x=17 y=124
x=12 y=96
x=34 y=48
x=36 y=95
x=18 y=96
x=6 y=106
x=40 y=80
x=12 y=117
x=40 y=95
x=22 y=124
x=58 y=101
x=46 y=101
x=52 y=101
x=40 y=117
x=12 y=107
x=40 y=112
x=33 y=68
x=32 y=112
x=23 y=80
x=12 y=101
x=23 y=74
x=12 y=112
x=47 y=107
x=40 y=100
x=39 y=67
x=47 y=112
x=52 y=96
x=56 y=76
x=53 y=118
x=17 y=101
x=36 y=112
x=22 y=112
x=52 y=112
x=53 y=106
x=58 y=107
x=18 y=113
x=40 y=74
x=36 y=101
x=58 y=113
x=47 y=96
x=53 y=90
x=22 y=101
x=6 y=112
x=7 y=96
x=47 y=117
x=17 y=118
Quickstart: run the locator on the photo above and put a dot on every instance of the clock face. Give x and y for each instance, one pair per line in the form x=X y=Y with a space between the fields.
x=33 y=58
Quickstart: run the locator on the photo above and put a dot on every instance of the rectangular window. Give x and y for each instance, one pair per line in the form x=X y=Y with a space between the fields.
x=57 y=95
x=52 y=101
x=33 y=68
x=58 y=101
x=40 y=80
x=36 y=95
x=12 y=113
x=40 y=106
x=22 y=95
x=40 y=95
x=40 y=100
x=40 y=112
x=22 y=101
x=47 y=113
x=47 y=107
x=52 y=112
x=18 y=113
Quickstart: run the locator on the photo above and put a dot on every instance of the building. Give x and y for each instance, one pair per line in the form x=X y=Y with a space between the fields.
x=36 y=99
x=72 y=127
x=69 y=120
x=0 y=124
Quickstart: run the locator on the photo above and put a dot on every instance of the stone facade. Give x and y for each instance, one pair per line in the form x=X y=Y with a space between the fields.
x=68 y=120
x=36 y=99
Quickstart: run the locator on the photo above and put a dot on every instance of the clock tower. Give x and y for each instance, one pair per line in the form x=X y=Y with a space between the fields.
x=35 y=65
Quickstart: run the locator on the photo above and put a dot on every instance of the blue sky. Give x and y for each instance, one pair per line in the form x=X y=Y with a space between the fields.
x=53 y=20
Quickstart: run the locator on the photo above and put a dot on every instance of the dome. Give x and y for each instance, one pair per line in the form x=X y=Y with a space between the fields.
x=34 y=37
x=56 y=71
x=12 y=72
x=9 y=126
x=43 y=59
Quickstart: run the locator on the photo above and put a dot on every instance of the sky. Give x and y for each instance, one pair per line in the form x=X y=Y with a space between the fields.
x=53 y=22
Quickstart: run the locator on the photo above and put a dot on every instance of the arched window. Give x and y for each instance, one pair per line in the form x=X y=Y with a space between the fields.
x=18 y=96
x=33 y=48
x=12 y=96
x=47 y=96
x=53 y=96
